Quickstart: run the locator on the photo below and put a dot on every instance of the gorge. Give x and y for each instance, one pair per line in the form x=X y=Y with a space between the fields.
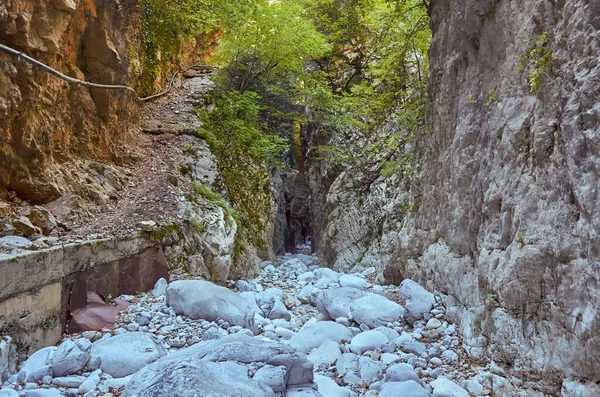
x=347 y=166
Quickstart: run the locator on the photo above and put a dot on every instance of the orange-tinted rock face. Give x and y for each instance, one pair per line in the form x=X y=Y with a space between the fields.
x=44 y=123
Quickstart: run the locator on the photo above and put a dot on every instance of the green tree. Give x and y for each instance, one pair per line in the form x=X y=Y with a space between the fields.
x=232 y=130
x=257 y=99
x=167 y=23
x=372 y=89
x=273 y=46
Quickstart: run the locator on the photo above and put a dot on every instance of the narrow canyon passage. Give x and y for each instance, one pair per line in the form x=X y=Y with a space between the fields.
x=211 y=198
x=298 y=329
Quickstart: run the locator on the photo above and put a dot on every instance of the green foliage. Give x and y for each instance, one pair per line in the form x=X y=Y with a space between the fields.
x=360 y=66
x=198 y=226
x=410 y=208
x=491 y=97
x=191 y=150
x=539 y=56
x=268 y=54
x=243 y=150
x=521 y=241
x=476 y=325
x=232 y=130
x=50 y=322
x=110 y=300
x=491 y=299
x=371 y=92
x=204 y=191
x=166 y=23
x=274 y=44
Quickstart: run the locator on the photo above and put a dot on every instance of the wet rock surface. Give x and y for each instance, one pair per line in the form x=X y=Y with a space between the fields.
x=307 y=349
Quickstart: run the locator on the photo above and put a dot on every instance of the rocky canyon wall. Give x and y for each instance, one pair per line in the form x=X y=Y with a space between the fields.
x=44 y=121
x=50 y=129
x=501 y=216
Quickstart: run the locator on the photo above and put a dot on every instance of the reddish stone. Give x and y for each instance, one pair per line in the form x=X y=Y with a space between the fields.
x=95 y=315
x=84 y=294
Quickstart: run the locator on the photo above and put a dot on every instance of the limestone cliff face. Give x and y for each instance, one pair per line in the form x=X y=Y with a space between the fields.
x=45 y=122
x=50 y=130
x=502 y=214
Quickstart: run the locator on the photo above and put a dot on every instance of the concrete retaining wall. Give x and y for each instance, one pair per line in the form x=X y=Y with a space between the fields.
x=34 y=295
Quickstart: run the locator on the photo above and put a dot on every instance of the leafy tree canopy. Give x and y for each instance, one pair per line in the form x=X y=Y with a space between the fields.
x=376 y=74
x=273 y=45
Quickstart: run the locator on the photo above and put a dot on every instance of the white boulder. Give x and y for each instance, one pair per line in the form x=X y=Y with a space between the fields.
x=444 y=387
x=200 y=299
x=418 y=300
x=353 y=281
x=329 y=388
x=369 y=340
x=404 y=389
x=127 y=353
x=326 y=354
x=313 y=335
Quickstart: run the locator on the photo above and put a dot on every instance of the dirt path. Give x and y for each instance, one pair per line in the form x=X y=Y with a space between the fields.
x=168 y=127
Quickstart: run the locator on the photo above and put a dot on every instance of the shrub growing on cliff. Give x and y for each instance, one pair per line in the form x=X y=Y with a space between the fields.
x=232 y=130
x=243 y=151
x=539 y=57
x=207 y=193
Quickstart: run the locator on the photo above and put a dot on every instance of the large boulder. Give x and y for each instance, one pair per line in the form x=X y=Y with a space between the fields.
x=444 y=387
x=401 y=373
x=247 y=349
x=63 y=207
x=204 y=300
x=313 y=335
x=42 y=218
x=326 y=354
x=15 y=242
x=369 y=340
x=193 y=377
x=209 y=369
x=328 y=387
x=127 y=353
x=271 y=304
x=336 y=302
x=405 y=389
x=37 y=365
x=24 y=227
x=365 y=308
x=274 y=377
x=70 y=357
x=418 y=300
x=348 y=280
x=376 y=311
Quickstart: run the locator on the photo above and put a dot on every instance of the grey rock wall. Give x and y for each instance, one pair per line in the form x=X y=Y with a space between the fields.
x=502 y=214
x=508 y=186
